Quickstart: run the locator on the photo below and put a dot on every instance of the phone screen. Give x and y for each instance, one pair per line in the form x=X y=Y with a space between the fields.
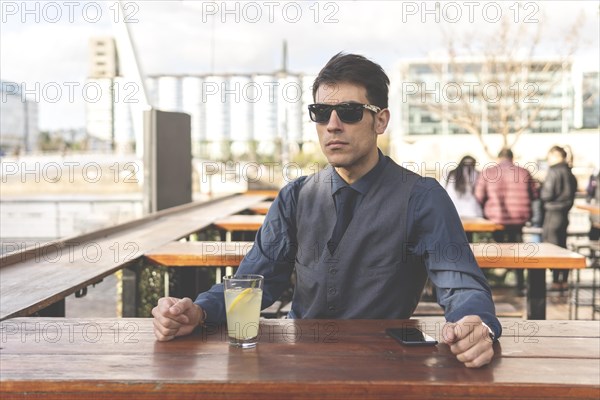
x=411 y=336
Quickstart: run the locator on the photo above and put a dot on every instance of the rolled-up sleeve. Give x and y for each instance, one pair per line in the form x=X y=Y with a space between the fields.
x=439 y=239
x=272 y=255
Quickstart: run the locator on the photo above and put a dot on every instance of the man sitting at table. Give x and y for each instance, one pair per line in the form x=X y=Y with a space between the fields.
x=362 y=235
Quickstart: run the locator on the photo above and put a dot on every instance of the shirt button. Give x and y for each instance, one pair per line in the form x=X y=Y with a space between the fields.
x=332 y=291
x=333 y=271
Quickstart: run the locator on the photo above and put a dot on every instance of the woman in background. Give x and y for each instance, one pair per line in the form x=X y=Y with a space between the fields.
x=460 y=184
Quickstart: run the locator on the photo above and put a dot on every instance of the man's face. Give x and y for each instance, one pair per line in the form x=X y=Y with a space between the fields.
x=349 y=146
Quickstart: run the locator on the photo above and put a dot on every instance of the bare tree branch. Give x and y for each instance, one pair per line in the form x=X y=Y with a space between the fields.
x=510 y=89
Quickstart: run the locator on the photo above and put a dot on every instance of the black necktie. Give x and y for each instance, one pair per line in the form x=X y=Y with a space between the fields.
x=345 y=200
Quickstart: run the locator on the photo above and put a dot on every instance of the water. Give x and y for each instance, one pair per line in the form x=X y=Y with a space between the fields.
x=31 y=221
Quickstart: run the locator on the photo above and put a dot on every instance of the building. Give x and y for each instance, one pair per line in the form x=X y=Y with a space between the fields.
x=19 y=130
x=108 y=115
x=590 y=100
x=536 y=97
x=545 y=100
x=237 y=114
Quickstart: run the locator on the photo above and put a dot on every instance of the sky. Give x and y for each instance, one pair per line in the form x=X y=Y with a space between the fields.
x=44 y=44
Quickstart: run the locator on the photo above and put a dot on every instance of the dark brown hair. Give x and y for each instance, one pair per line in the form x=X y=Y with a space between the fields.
x=358 y=70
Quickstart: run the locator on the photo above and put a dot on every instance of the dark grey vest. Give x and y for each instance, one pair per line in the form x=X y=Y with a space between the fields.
x=370 y=275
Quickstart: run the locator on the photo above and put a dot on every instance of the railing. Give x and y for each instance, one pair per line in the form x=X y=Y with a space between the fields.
x=27 y=222
x=33 y=279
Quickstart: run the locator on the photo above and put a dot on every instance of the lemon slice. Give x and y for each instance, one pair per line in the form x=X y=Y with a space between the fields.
x=245 y=294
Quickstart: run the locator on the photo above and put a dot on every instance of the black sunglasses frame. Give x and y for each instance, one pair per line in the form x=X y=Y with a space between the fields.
x=349 y=113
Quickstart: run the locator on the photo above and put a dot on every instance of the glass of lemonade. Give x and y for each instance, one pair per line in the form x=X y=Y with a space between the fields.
x=243 y=296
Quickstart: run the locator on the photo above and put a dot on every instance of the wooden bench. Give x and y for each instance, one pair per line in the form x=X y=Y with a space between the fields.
x=220 y=255
x=34 y=279
x=238 y=223
x=199 y=254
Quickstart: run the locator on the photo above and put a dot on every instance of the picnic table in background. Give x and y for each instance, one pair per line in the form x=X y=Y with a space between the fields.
x=536 y=257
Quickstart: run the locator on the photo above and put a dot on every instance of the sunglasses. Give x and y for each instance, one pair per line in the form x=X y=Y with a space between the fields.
x=349 y=113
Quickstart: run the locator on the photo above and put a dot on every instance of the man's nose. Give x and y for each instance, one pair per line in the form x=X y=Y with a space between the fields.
x=335 y=123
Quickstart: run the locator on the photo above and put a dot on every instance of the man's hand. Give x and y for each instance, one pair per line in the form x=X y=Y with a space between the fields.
x=175 y=317
x=469 y=340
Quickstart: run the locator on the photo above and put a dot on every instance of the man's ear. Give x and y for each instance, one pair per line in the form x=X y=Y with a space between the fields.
x=382 y=119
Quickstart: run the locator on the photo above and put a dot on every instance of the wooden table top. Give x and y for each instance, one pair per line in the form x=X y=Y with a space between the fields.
x=526 y=255
x=480 y=225
x=302 y=359
x=592 y=208
x=253 y=223
x=240 y=222
x=261 y=208
x=268 y=193
x=488 y=255
x=200 y=254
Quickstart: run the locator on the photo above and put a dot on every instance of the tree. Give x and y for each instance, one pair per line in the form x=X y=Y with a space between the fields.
x=497 y=83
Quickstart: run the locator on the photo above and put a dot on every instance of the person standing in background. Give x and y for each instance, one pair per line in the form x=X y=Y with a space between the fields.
x=460 y=185
x=505 y=192
x=593 y=196
x=558 y=195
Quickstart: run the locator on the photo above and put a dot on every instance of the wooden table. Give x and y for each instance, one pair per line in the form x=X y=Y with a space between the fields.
x=237 y=223
x=480 y=225
x=473 y=225
x=536 y=257
x=61 y=358
x=220 y=255
x=261 y=208
x=199 y=254
x=593 y=209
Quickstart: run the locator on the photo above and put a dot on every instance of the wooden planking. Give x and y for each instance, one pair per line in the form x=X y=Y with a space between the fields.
x=196 y=254
x=52 y=272
x=426 y=308
x=591 y=208
x=480 y=225
x=321 y=358
x=488 y=255
x=115 y=336
x=235 y=223
x=526 y=255
x=270 y=194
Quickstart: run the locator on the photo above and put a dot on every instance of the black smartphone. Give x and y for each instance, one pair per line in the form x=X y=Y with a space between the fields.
x=410 y=336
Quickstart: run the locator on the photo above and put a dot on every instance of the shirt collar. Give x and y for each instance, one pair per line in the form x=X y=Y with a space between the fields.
x=364 y=183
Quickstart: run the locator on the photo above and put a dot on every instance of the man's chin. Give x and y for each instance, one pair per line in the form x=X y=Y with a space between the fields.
x=337 y=160
x=337 y=163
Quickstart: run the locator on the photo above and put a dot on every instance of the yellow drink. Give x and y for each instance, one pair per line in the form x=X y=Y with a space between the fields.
x=243 y=297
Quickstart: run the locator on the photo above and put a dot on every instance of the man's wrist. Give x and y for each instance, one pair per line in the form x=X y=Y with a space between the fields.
x=202 y=315
x=201 y=319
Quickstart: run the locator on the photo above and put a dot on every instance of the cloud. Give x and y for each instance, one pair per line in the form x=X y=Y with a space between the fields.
x=186 y=37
